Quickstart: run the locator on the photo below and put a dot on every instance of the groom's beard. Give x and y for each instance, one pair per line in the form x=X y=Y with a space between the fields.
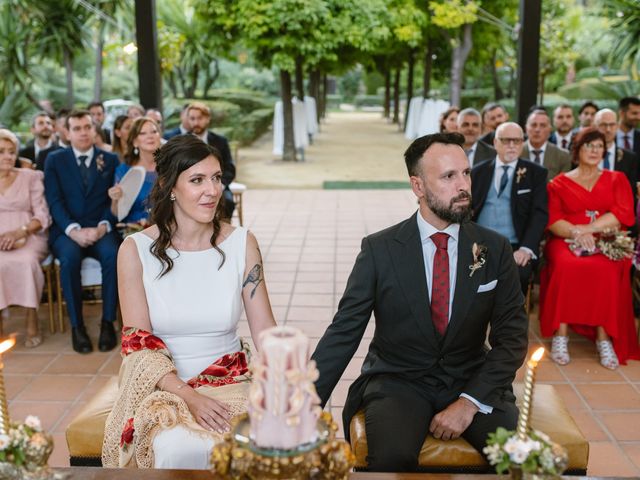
x=451 y=213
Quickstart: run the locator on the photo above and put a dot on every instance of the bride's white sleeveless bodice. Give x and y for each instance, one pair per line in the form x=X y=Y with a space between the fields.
x=195 y=307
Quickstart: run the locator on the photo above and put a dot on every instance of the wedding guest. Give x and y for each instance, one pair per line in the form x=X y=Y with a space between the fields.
x=142 y=143
x=24 y=217
x=183 y=284
x=591 y=293
x=449 y=120
x=121 y=128
x=134 y=111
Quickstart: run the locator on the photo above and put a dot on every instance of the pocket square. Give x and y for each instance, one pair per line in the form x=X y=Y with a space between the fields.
x=487 y=287
x=522 y=192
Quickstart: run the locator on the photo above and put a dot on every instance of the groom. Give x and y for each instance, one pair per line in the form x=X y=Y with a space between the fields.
x=435 y=282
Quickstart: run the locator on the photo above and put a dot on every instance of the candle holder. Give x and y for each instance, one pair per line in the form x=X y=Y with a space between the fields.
x=24 y=448
x=325 y=459
x=526 y=453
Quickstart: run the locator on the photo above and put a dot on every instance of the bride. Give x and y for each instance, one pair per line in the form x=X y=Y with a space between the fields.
x=182 y=284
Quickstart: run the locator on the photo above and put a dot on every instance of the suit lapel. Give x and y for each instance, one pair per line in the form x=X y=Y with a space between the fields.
x=466 y=286
x=73 y=169
x=408 y=261
x=484 y=180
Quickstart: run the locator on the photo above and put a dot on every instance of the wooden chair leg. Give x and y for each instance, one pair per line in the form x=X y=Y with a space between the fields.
x=59 y=295
x=527 y=300
x=240 y=212
x=52 y=320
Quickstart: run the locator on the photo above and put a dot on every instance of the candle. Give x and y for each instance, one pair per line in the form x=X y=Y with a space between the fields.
x=525 y=409
x=4 y=409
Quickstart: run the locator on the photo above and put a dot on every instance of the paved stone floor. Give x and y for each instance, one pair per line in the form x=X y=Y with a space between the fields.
x=310 y=239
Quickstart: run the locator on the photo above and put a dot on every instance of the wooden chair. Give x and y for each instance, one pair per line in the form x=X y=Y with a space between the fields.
x=237 y=189
x=47 y=268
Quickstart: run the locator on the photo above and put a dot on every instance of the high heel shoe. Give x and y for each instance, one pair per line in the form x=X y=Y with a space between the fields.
x=560 y=350
x=608 y=357
x=32 y=341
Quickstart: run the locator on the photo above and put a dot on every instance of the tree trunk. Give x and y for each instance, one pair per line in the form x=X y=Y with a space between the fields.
x=209 y=79
x=97 y=86
x=314 y=91
x=325 y=87
x=183 y=82
x=193 y=81
x=541 y=81
x=289 y=148
x=172 y=84
x=409 y=87
x=396 y=96
x=68 y=66
x=299 y=79
x=497 y=90
x=387 y=93
x=428 y=64
x=458 y=59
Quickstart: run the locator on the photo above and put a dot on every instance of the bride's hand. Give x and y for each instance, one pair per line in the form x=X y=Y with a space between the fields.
x=209 y=413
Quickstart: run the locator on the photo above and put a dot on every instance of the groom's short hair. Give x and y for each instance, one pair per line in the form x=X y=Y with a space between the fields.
x=416 y=150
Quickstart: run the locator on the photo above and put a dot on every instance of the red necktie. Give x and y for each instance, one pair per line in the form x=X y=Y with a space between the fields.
x=564 y=143
x=440 y=280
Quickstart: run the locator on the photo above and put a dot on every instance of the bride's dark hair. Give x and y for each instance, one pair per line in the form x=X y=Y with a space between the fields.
x=174 y=157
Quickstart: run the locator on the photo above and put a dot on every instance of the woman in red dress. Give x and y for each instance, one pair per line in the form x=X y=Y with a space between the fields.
x=592 y=294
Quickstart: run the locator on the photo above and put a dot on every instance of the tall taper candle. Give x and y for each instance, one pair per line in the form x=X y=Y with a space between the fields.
x=529 y=379
x=4 y=409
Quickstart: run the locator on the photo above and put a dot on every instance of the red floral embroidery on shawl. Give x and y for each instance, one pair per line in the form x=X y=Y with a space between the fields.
x=127 y=434
x=220 y=372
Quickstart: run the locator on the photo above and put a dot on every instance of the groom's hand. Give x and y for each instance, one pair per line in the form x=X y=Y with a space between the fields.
x=453 y=420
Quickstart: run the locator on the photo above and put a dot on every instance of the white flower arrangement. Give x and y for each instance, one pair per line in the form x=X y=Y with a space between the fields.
x=25 y=443
x=537 y=453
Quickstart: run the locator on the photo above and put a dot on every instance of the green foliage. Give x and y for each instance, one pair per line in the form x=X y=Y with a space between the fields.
x=452 y=14
x=625 y=21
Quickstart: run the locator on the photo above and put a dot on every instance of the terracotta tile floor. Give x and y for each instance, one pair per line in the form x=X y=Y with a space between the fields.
x=309 y=240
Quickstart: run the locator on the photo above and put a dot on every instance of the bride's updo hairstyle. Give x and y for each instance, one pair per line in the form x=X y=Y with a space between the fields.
x=174 y=157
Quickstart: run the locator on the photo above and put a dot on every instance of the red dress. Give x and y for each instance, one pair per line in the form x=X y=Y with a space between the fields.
x=588 y=292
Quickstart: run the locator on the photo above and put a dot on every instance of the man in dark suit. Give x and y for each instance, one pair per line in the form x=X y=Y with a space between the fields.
x=539 y=150
x=470 y=125
x=563 y=123
x=616 y=158
x=493 y=114
x=628 y=135
x=510 y=196
x=199 y=117
x=96 y=109
x=435 y=282
x=76 y=183
x=42 y=131
x=181 y=129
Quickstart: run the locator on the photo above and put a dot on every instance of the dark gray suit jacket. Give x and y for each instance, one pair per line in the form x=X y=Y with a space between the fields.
x=556 y=160
x=389 y=280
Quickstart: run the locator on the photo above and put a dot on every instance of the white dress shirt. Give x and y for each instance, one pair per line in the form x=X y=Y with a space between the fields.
x=498 y=172
x=559 y=139
x=428 y=253
x=471 y=153
x=37 y=149
x=620 y=138
x=612 y=158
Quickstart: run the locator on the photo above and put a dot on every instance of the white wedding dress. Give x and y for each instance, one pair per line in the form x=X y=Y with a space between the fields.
x=195 y=310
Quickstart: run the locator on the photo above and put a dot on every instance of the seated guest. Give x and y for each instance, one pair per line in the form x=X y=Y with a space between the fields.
x=563 y=123
x=616 y=158
x=449 y=120
x=539 y=150
x=591 y=294
x=121 y=128
x=470 y=125
x=24 y=217
x=435 y=283
x=155 y=115
x=628 y=135
x=493 y=114
x=134 y=111
x=96 y=109
x=99 y=140
x=184 y=126
x=76 y=184
x=43 y=138
x=510 y=197
x=586 y=115
x=142 y=143
x=183 y=284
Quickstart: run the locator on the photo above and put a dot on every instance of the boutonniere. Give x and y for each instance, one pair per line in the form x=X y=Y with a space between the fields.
x=521 y=172
x=619 y=154
x=100 y=162
x=479 y=258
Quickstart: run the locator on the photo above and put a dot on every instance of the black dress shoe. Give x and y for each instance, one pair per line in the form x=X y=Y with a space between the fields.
x=107 y=340
x=80 y=340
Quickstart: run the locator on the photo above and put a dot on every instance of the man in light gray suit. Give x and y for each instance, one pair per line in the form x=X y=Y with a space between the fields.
x=539 y=150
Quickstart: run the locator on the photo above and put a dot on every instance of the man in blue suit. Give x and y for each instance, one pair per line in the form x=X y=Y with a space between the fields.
x=76 y=184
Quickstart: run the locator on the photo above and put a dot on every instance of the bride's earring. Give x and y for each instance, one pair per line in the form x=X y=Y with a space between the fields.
x=136 y=152
x=172 y=197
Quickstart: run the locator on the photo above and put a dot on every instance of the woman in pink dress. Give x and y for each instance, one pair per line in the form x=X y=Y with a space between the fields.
x=24 y=217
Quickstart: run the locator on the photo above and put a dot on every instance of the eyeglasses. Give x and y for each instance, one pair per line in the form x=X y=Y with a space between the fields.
x=594 y=146
x=607 y=125
x=507 y=141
